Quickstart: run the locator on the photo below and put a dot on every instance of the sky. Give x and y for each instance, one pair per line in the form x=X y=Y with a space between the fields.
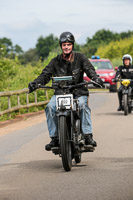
x=24 y=21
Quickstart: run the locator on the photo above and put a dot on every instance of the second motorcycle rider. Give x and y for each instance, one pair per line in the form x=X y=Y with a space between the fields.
x=124 y=71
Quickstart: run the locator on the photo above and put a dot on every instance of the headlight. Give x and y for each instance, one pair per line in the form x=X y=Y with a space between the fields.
x=112 y=73
x=108 y=74
x=85 y=75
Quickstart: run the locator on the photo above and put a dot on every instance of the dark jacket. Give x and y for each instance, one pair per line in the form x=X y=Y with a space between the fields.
x=124 y=72
x=60 y=67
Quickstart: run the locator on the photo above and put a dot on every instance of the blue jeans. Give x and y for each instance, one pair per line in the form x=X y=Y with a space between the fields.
x=85 y=115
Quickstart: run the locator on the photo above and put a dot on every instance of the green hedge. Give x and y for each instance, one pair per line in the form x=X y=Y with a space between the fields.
x=14 y=76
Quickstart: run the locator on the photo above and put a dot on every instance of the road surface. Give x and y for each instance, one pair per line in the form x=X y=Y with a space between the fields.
x=28 y=172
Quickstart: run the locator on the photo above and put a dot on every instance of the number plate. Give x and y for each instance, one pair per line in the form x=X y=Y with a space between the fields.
x=66 y=100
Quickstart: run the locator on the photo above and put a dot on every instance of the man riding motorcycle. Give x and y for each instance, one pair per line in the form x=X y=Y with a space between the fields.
x=69 y=63
x=124 y=71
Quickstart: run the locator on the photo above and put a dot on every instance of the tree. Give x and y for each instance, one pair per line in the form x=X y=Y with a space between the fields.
x=7 y=43
x=45 y=45
x=102 y=38
x=76 y=47
x=29 y=56
x=18 y=50
x=8 y=50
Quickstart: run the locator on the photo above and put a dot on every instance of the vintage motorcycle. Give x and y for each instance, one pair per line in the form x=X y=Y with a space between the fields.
x=70 y=137
x=127 y=96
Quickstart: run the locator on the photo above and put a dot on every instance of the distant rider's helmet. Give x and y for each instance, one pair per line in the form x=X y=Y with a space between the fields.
x=66 y=37
x=127 y=56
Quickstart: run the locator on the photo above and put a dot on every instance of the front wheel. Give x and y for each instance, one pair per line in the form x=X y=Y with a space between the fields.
x=65 y=144
x=125 y=104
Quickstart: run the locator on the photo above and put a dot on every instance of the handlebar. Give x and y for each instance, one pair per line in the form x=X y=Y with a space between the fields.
x=69 y=86
x=116 y=80
x=126 y=79
x=61 y=85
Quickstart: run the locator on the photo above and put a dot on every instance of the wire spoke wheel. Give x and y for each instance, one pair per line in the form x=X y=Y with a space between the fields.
x=65 y=144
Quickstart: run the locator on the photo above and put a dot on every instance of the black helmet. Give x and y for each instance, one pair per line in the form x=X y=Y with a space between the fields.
x=66 y=37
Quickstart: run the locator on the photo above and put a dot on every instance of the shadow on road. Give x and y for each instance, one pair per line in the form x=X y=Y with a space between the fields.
x=42 y=165
x=112 y=113
x=50 y=165
x=47 y=166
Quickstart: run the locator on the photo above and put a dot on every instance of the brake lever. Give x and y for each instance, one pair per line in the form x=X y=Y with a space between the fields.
x=97 y=84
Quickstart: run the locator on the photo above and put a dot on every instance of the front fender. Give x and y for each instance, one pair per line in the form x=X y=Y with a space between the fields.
x=63 y=113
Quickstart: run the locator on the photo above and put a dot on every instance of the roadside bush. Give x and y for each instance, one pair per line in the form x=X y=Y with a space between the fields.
x=14 y=76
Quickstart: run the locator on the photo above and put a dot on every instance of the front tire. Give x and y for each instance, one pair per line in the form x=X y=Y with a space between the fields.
x=125 y=104
x=65 y=144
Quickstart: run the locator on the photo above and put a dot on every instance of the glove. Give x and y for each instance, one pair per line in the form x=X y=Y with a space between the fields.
x=32 y=86
x=98 y=81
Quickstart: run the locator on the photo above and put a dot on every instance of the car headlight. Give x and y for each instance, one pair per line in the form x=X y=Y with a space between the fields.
x=85 y=75
x=112 y=73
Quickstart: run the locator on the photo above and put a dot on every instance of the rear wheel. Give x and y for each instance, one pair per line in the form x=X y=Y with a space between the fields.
x=65 y=144
x=125 y=104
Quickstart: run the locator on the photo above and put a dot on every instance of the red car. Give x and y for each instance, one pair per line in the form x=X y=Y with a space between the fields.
x=105 y=70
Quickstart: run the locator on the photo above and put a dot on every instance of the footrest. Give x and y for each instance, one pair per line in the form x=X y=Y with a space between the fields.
x=55 y=150
x=88 y=148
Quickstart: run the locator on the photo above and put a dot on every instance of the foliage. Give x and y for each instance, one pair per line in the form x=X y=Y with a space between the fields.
x=18 y=50
x=116 y=49
x=7 y=43
x=76 y=47
x=29 y=56
x=48 y=44
x=102 y=38
x=8 y=50
x=14 y=76
x=8 y=70
x=116 y=62
x=45 y=45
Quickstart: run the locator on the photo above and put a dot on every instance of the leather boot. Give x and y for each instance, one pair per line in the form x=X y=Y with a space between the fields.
x=53 y=143
x=89 y=140
x=119 y=108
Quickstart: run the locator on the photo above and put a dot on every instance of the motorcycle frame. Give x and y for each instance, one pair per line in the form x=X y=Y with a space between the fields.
x=72 y=115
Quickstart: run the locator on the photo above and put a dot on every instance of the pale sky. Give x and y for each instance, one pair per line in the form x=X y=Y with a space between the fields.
x=24 y=21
